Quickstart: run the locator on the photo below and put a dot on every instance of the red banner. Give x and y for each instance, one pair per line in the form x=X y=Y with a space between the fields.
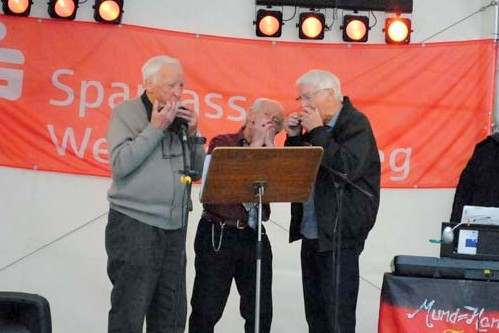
x=438 y=305
x=59 y=80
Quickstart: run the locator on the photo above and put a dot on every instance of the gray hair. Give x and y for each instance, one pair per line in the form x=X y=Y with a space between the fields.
x=260 y=102
x=258 y=105
x=323 y=80
x=154 y=64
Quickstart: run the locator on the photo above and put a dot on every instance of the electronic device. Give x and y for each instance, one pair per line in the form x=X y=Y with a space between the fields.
x=450 y=268
x=470 y=241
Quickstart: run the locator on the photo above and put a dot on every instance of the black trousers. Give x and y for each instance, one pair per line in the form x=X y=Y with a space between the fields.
x=319 y=288
x=216 y=267
x=146 y=266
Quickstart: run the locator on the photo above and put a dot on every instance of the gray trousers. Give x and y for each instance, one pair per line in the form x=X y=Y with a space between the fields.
x=146 y=266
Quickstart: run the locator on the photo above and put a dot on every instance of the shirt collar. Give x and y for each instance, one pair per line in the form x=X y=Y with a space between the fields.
x=332 y=122
x=147 y=104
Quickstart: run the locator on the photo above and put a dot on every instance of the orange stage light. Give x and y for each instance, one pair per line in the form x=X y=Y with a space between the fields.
x=311 y=26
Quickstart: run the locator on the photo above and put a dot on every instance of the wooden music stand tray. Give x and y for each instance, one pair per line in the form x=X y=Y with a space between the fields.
x=287 y=174
x=260 y=175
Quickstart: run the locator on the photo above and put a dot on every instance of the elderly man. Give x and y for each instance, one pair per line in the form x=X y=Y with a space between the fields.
x=225 y=243
x=333 y=224
x=146 y=230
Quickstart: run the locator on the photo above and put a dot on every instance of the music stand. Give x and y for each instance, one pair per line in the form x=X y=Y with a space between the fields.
x=260 y=175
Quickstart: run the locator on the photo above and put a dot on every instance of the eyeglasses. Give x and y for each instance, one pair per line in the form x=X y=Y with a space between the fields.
x=310 y=95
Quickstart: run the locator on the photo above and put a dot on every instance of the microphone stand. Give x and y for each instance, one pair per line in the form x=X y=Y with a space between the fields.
x=188 y=174
x=259 y=187
x=344 y=177
x=339 y=188
x=186 y=177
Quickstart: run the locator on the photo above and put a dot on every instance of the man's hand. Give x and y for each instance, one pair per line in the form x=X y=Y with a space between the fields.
x=263 y=132
x=162 y=116
x=191 y=117
x=292 y=124
x=311 y=118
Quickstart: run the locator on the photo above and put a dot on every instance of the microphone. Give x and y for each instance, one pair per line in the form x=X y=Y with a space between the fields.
x=190 y=145
x=448 y=232
x=179 y=125
x=183 y=123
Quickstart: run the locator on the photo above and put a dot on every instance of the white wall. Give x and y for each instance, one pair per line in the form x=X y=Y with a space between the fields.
x=52 y=225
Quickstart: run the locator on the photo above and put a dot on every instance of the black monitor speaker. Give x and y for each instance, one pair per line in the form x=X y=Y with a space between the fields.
x=24 y=312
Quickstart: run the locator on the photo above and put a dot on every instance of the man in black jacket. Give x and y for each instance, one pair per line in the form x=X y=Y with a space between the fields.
x=478 y=181
x=333 y=224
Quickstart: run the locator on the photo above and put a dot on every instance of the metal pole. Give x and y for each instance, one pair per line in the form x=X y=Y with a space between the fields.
x=260 y=187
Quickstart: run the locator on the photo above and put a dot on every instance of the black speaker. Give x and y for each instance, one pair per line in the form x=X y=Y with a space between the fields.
x=23 y=312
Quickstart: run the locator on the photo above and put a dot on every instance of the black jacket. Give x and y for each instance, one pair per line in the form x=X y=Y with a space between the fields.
x=349 y=148
x=479 y=181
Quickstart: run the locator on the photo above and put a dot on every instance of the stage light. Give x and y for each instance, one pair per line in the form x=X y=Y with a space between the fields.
x=268 y=23
x=63 y=9
x=311 y=26
x=397 y=30
x=16 y=7
x=355 y=28
x=108 y=11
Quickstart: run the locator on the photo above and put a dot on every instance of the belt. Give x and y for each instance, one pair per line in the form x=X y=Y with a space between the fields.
x=212 y=218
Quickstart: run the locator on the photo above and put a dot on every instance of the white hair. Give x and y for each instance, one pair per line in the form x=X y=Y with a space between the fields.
x=323 y=80
x=260 y=102
x=154 y=64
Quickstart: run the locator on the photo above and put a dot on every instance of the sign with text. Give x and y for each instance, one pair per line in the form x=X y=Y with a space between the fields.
x=427 y=305
x=59 y=81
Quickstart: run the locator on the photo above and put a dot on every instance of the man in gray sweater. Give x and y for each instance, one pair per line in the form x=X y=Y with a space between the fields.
x=152 y=146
